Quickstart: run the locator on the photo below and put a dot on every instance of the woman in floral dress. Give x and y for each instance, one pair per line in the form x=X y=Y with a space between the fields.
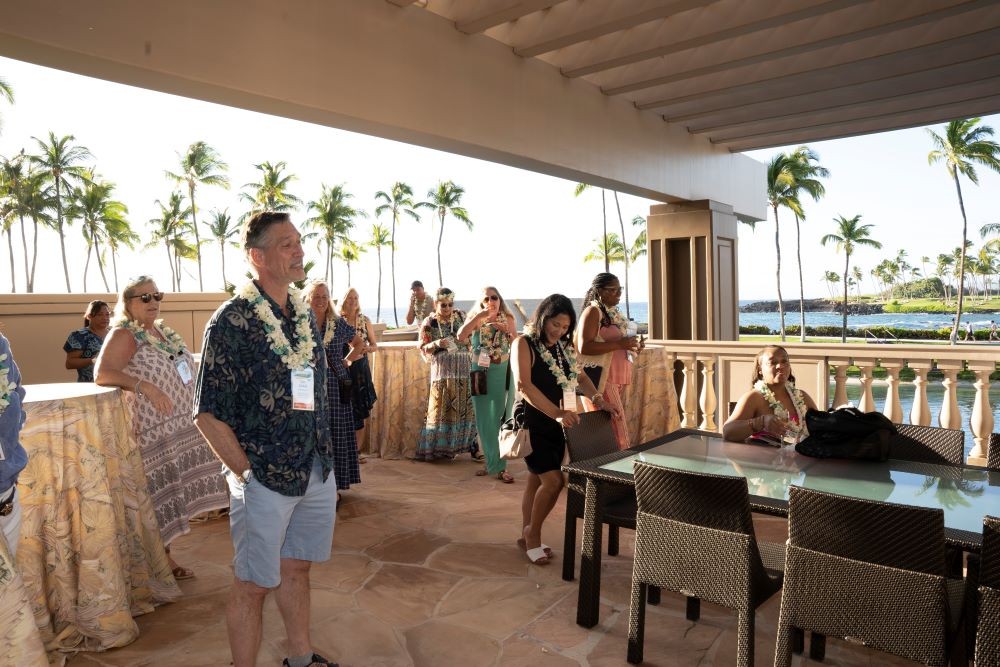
x=450 y=427
x=152 y=364
x=774 y=405
x=83 y=345
x=337 y=335
x=490 y=328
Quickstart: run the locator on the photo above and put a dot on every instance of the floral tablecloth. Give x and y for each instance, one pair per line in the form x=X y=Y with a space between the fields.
x=402 y=382
x=90 y=552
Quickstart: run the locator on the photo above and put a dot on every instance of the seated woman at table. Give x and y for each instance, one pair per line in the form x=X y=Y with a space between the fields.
x=83 y=345
x=546 y=371
x=151 y=363
x=774 y=405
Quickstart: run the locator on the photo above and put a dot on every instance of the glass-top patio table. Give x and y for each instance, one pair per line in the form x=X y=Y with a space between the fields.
x=965 y=493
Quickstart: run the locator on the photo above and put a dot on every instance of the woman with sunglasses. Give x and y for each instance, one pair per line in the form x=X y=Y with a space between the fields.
x=490 y=328
x=150 y=362
x=450 y=427
x=605 y=347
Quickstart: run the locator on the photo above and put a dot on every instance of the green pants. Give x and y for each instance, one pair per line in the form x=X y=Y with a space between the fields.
x=490 y=411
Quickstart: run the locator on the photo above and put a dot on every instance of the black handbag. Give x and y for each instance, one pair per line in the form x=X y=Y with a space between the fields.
x=345 y=385
x=477 y=382
x=847 y=433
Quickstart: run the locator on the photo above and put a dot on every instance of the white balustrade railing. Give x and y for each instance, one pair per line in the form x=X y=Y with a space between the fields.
x=715 y=373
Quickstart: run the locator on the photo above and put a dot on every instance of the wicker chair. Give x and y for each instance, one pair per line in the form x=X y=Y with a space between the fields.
x=694 y=536
x=988 y=629
x=993 y=455
x=872 y=571
x=590 y=438
x=927 y=444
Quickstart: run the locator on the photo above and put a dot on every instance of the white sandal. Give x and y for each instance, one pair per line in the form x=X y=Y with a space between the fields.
x=538 y=556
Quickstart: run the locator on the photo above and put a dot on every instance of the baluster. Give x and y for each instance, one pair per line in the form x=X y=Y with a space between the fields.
x=707 y=398
x=689 y=392
x=893 y=409
x=949 y=416
x=982 y=413
x=867 y=401
x=920 y=413
x=840 y=381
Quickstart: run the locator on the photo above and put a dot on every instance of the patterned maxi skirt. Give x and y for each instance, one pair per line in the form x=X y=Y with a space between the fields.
x=450 y=427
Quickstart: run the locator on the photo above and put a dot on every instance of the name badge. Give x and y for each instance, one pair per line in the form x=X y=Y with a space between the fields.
x=569 y=400
x=184 y=370
x=3 y=457
x=303 y=397
x=449 y=344
x=484 y=359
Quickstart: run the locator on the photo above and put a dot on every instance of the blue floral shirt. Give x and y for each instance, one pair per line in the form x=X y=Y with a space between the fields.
x=245 y=385
x=11 y=421
x=86 y=340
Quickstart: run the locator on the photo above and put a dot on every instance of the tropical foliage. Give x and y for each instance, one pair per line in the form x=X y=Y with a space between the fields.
x=849 y=235
x=397 y=202
x=445 y=200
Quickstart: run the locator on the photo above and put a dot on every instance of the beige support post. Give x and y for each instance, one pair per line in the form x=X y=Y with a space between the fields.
x=867 y=401
x=920 y=413
x=707 y=399
x=981 y=420
x=950 y=417
x=893 y=409
x=689 y=391
x=840 y=378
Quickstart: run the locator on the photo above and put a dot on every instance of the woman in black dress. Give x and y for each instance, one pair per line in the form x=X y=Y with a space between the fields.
x=544 y=362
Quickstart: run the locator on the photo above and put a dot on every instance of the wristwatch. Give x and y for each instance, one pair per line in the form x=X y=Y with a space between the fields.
x=245 y=476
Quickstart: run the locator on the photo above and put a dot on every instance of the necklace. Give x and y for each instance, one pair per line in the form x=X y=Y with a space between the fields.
x=566 y=353
x=172 y=345
x=493 y=341
x=779 y=410
x=329 y=328
x=299 y=355
x=7 y=387
x=614 y=314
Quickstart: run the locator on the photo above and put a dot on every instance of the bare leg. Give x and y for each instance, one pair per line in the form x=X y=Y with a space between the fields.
x=292 y=597
x=545 y=499
x=243 y=621
x=360 y=435
x=528 y=498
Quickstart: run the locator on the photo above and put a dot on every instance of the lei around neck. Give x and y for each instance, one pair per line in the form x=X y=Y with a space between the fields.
x=172 y=346
x=616 y=315
x=297 y=355
x=567 y=382
x=779 y=410
x=7 y=387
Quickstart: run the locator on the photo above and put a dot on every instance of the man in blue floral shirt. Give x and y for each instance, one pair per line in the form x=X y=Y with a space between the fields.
x=261 y=403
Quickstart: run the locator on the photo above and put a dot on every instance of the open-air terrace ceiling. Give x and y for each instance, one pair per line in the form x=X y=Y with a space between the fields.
x=755 y=74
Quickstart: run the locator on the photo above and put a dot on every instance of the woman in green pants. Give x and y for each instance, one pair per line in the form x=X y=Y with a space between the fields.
x=491 y=327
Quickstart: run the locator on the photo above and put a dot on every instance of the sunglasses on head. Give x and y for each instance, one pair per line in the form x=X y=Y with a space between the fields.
x=148 y=296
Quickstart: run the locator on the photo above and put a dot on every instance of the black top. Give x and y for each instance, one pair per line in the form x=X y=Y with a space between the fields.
x=538 y=423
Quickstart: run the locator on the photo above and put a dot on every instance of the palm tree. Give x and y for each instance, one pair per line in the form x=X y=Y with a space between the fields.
x=350 y=252
x=608 y=250
x=222 y=228
x=6 y=91
x=119 y=233
x=857 y=274
x=271 y=194
x=60 y=160
x=38 y=200
x=986 y=266
x=832 y=278
x=8 y=213
x=964 y=144
x=93 y=205
x=201 y=165
x=850 y=233
x=944 y=271
x=398 y=201
x=781 y=191
x=13 y=184
x=167 y=231
x=579 y=190
x=333 y=220
x=806 y=173
x=638 y=248
x=379 y=240
x=444 y=199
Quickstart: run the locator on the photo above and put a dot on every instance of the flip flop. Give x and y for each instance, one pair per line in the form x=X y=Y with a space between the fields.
x=181 y=573
x=538 y=556
x=524 y=547
x=505 y=477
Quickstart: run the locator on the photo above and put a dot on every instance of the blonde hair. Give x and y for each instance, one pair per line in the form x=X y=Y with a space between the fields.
x=121 y=307
x=479 y=307
x=343 y=300
x=307 y=293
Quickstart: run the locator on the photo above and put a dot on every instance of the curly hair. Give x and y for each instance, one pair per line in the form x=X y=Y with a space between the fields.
x=600 y=281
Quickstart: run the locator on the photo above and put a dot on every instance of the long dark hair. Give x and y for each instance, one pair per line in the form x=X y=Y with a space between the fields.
x=758 y=374
x=553 y=306
x=92 y=308
x=601 y=280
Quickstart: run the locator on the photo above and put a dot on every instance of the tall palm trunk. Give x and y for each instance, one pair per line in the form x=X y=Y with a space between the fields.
x=961 y=262
x=843 y=329
x=10 y=246
x=378 y=300
x=34 y=254
x=392 y=262
x=24 y=247
x=197 y=238
x=440 y=236
x=86 y=266
x=777 y=273
x=604 y=213
x=100 y=267
x=621 y=223
x=114 y=267
x=62 y=237
x=802 y=297
x=170 y=263
x=348 y=273
x=222 y=253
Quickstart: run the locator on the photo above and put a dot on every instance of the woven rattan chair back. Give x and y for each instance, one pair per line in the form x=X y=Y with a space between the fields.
x=592 y=437
x=988 y=630
x=868 y=570
x=712 y=501
x=993 y=455
x=927 y=444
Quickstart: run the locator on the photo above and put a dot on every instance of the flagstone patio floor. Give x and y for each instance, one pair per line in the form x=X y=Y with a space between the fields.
x=425 y=571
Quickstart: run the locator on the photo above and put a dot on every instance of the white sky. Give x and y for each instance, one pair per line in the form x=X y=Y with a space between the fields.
x=530 y=233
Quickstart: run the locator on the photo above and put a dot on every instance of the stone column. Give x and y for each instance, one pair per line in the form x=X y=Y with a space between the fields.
x=950 y=417
x=920 y=413
x=689 y=391
x=867 y=402
x=707 y=398
x=840 y=381
x=982 y=412
x=893 y=409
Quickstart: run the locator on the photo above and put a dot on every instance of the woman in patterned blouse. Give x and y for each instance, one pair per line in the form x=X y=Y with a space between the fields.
x=83 y=345
x=363 y=395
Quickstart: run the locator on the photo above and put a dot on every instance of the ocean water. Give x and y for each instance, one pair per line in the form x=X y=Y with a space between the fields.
x=639 y=311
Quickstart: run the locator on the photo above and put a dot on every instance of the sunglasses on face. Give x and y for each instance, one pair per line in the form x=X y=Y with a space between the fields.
x=615 y=290
x=491 y=297
x=148 y=296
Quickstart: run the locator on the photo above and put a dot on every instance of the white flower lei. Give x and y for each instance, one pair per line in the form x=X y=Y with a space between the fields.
x=330 y=327
x=616 y=315
x=568 y=383
x=779 y=410
x=294 y=357
x=172 y=346
x=7 y=387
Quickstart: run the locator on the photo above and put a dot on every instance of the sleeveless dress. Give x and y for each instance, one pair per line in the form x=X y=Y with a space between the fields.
x=619 y=372
x=345 y=444
x=499 y=399
x=184 y=476
x=548 y=443
x=363 y=394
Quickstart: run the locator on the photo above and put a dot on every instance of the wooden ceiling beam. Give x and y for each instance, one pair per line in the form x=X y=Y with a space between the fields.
x=512 y=12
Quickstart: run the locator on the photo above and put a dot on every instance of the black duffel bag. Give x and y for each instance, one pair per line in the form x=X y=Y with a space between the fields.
x=847 y=433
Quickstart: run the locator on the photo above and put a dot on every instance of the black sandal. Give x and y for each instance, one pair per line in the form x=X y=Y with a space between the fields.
x=317 y=659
